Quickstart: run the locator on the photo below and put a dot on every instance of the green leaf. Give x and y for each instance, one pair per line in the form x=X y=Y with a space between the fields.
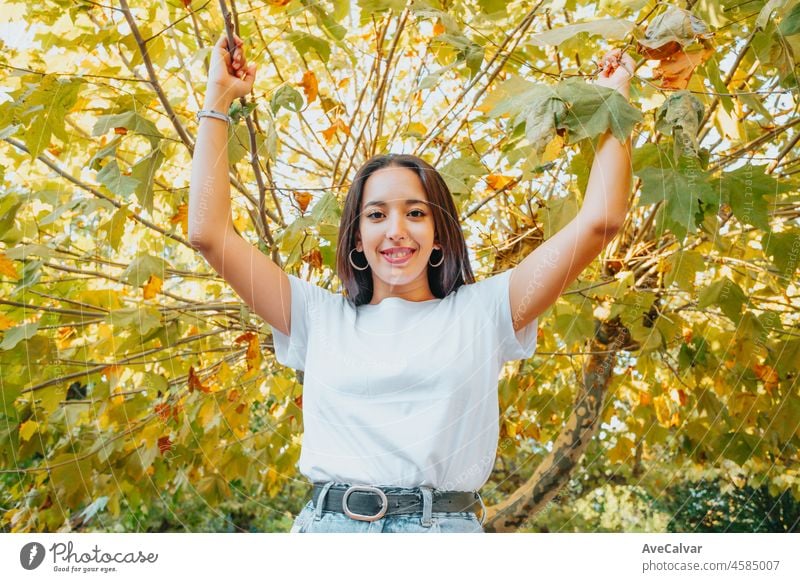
x=13 y=336
x=682 y=268
x=765 y=15
x=238 y=142
x=790 y=25
x=326 y=209
x=592 y=110
x=459 y=173
x=680 y=116
x=112 y=178
x=286 y=96
x=784 y=249
x=115 y=227
x=307 y=44
x=681 y=189
x=46 y=104
x=140 y=269
x=327 y=23
x=140 y=319
x=370 y=8
x=144 y=170
x=744 y=189
x=725 y=294
x=673 y=25
x=494 y=9
x=131 y=121
x=608 y=28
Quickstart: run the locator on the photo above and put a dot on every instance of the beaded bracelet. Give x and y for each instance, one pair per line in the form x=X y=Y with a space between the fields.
x=214 y=114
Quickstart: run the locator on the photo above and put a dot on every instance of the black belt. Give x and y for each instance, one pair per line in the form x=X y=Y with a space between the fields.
x=369 y=503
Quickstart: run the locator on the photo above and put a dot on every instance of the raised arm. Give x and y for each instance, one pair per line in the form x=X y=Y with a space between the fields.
x=540 y=279
x=255 y=277
x=209 y=189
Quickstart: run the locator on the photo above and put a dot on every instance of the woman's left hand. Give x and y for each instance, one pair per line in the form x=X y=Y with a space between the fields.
x=616 y=70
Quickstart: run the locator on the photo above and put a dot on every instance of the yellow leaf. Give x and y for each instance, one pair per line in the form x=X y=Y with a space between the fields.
x=27 y=429
x=662 y=410
x=207 y=413
x=622 y=451
x=152 y=287
x=224 y=373
x=310 y=86
x=240 y=222
x=7 y=267
x=553 y=149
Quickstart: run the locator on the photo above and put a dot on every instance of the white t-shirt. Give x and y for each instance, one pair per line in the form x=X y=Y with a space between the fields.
x=402 y=393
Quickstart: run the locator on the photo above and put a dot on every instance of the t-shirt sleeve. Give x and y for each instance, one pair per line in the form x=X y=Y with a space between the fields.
x=512 y=345
x=307 y=298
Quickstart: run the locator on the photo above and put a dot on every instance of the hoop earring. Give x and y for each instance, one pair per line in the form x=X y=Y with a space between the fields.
x=440 y=260
x=356 y=267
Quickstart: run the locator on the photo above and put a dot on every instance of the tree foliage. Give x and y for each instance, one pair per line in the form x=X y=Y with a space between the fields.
x=132 y=377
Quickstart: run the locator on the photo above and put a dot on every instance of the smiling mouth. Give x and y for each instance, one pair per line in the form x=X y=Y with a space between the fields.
x=398 y=258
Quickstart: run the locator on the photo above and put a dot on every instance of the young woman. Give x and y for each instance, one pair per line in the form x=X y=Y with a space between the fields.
x=400 y=401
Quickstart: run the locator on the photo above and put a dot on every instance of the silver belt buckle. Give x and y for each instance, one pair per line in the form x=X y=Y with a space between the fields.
x=370 y=488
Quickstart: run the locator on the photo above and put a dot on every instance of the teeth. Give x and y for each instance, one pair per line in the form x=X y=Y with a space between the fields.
x=399 y=255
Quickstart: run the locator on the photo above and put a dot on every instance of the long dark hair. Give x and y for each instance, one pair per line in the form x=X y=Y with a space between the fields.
x=454 y=271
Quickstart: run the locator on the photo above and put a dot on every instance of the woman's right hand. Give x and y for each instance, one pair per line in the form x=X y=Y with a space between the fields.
x=232 y=78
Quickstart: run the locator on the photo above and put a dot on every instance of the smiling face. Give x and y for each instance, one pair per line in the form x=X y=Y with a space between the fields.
x=395 y=215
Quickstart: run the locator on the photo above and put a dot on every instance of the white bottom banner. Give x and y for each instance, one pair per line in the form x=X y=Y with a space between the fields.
x=227 y=557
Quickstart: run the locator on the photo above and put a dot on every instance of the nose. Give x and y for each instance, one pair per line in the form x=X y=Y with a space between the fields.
x=396 y=227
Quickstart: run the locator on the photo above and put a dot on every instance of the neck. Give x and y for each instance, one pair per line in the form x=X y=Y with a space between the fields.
x=415 y=291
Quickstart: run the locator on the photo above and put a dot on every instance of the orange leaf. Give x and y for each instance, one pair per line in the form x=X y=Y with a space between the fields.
x=120 y=130
x=278 y=2
x=313 y=258
x=303 y=198
x=6 y=323
x=182 y=216
x=768 y=375
x=498 y=181
x=343 y=83
x=438 y=28
x=676 y=71
x=338 y=124
x=163 y=411
x=310 y=86
x=152 y=287
x=253 y=350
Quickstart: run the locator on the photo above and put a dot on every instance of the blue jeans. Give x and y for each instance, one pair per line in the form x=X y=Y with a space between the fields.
x=314 y=520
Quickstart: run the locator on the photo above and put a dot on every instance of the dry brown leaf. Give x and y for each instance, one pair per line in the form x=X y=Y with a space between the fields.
x=302 y=198
x=676 y=71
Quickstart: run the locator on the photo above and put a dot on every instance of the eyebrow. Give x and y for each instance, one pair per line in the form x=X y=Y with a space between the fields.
x=408 y=202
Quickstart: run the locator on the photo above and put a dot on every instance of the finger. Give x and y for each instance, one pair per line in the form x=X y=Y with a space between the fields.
x=251 y=76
